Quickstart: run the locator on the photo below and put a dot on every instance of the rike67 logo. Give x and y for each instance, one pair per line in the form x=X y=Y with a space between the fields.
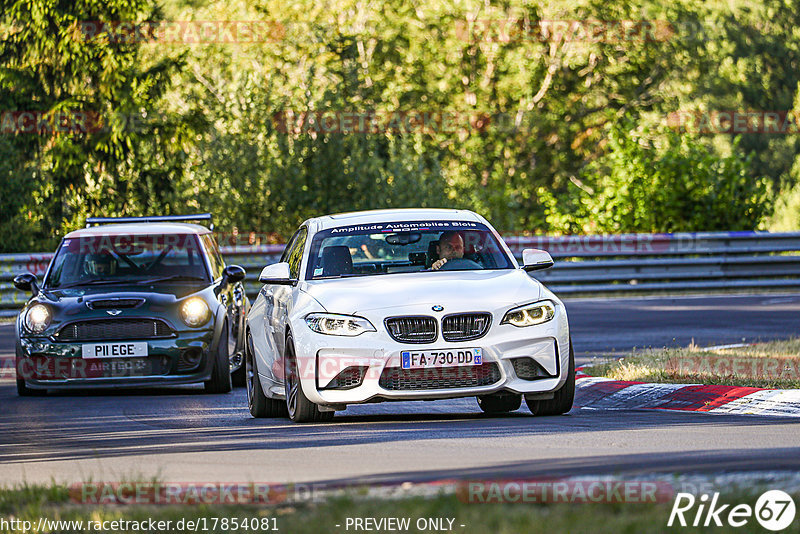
x=774 y=510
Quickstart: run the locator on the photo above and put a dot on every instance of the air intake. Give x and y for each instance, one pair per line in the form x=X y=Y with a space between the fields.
x=114 y=304
x=397 y=379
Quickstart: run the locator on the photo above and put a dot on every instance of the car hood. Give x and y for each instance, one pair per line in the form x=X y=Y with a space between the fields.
x=455 y=290
x=71 y=303
x=79 y=295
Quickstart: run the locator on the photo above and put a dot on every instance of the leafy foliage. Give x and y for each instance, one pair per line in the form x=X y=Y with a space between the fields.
x=550 y=132
x=108 y=162
x=681 y=186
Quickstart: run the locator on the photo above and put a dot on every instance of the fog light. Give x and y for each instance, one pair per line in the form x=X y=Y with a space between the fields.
x=190 y=359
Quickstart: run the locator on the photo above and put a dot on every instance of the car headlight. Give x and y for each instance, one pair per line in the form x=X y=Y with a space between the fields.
x=38 y=318
x=195 y=312
x=338 y=325
x=530 y=314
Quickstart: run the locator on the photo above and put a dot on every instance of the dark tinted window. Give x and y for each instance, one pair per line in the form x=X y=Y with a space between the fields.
x=294 y=253
x=214 y=256
x=290 y=244
x=109 y=258
x=397 y=247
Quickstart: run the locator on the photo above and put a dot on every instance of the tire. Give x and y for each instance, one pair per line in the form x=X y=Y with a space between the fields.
x=499 y=403
x=259 y=404
x=220 y=381
x=239 y=376
x=22 y=388
x=299 y=408
x=563 y=397
x=24 y=391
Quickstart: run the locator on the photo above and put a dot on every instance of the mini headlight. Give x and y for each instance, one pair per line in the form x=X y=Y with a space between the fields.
x=338 y=325
x=530 y=314
x=195 y=312
x=37 y=318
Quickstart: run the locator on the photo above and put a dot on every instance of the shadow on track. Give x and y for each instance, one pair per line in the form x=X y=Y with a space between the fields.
x=70 y=427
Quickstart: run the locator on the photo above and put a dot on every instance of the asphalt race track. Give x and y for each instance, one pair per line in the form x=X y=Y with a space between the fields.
x=184 y=435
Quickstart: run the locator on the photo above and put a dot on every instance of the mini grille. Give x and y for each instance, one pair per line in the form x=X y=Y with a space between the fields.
x=420 y=329
x=108 y=329
x=56 y=368
x=465 y=326
x=108 y=304
x=529 y=369
x=397 y=379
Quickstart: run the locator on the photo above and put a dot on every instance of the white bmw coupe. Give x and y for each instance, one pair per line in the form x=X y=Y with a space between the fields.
x=405 y=304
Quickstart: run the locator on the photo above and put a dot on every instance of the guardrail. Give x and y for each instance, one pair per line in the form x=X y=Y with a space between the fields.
x=706 y=261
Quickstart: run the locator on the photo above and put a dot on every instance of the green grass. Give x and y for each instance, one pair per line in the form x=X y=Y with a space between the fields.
x=32 y=502
x=775 y=364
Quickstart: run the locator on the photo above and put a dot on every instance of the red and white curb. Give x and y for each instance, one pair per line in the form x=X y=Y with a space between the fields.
x=607 y=394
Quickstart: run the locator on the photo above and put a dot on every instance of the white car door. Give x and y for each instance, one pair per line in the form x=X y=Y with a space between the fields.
x=264 y=321
x=282 y=295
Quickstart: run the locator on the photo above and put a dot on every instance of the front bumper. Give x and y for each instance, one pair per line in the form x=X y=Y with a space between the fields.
x=48 y=364
x=322 y=359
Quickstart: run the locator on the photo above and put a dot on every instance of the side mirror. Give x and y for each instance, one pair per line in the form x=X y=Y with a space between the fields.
x=234 y=273
x=534 y=259
x=27 y=282
x=277 y=273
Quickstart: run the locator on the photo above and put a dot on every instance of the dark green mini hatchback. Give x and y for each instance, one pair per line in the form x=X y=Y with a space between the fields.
x=133 y=302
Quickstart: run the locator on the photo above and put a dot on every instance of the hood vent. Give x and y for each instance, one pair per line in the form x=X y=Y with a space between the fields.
x=114 y=304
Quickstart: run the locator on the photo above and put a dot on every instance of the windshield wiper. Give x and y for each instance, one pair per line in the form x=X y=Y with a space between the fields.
x=346 y=275
x=173 y=277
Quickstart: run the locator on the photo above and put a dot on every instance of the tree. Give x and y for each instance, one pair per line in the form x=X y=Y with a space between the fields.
x=681 y=186
x=94 y=93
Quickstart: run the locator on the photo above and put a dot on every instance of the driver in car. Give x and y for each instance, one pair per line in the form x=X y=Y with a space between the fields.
x=451 y=253
x=100 y=265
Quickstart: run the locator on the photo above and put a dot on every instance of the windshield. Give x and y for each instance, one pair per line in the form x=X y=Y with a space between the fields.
x=404 y=247
x=127 y=258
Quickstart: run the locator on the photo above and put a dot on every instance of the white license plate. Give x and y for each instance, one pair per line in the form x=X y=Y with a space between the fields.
x=428 y=359
x=114 y=350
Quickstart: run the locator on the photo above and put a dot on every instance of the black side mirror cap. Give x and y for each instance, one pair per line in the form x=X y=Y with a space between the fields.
x=234 y=273
x=27 y=282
